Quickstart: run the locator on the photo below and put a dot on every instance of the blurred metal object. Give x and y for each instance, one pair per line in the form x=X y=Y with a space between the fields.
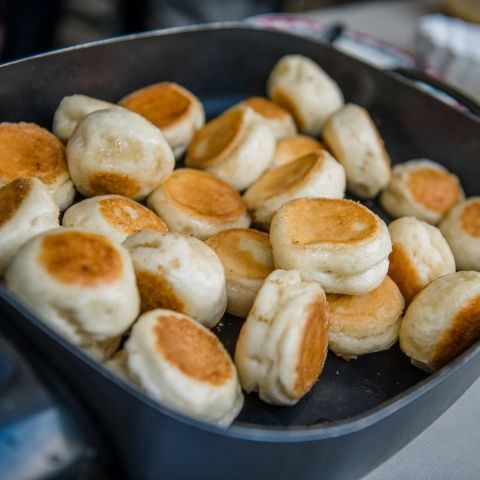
x=447 y=48
x=39 y=437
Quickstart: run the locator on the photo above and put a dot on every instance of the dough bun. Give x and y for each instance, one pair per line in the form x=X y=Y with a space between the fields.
x=283 y=343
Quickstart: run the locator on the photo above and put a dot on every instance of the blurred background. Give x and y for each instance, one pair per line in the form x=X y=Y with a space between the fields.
x=439 y=36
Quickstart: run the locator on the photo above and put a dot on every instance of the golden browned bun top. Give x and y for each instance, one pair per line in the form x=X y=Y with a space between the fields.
x=115 y=183
x=435 y=189
x=367 y=314
x=129 y=216
x=284 y=100
x=463 y=331
x=28 y=150
x=203 y=195
x=244 y=252
x=214 y=142
x=266 y=108
x=192 y=350
x=281 y=179
x=163 y=104
x=323 y=220
x=290 y=148
x=403 y=269
x=470 y=218
x=11 y=197
x=314 y=346
x=157 y=292
x=80 y=258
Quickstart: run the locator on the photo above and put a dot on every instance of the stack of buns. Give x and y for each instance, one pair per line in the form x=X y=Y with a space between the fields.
x=142 y=268
x=339 y=243
x=283 y=343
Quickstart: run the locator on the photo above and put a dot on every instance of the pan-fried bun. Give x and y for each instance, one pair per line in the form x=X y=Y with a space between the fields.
x=115 y=216
x=354 y=284
x=422 y=189
x=361 y=324
x=314 y=175
x=277 y=118
x=419 y=255
x=180 y=273
x=298 y=84
x=170 y=107
x=28 y=150
x=461 y=228
x=283 y=343
x=339 y=243
x=184 y=366
x=356 y=143
x=197 y=203
x=71 y=110
x=78 y=282
x=443 y=320
x=117 y=151
x=237 y=147
x=290 y=148
x=247 y=259
x=26 y=209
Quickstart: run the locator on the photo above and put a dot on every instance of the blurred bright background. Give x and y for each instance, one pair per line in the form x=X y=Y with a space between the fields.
x=439 y=36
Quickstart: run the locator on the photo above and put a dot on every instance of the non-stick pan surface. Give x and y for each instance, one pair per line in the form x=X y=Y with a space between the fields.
x=359 y=412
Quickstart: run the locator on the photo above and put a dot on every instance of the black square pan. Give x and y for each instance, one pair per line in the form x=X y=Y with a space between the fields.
x=359 y=413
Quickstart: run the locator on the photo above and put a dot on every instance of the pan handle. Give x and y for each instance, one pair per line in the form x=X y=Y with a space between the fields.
x=416 y=75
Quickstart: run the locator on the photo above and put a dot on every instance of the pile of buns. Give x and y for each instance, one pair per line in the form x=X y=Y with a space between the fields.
x=149 y=258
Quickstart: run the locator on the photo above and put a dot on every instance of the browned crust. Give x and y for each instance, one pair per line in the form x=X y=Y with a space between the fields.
x=470 y=219
x=80 y=258
x=28 y=150
x=204 y=195
x=157 y=292
x=313 y=347
x=164 y=104
x=216 y=140
x=11 y=197
x=323 y=220
x=434 y=189
x=368 y=314
x=291 y=148
x=266 y=108
x=462 y=333
x=285 y=178
x=192 y=350
x=129 y=216
x=404 y=273
x=285 y=101
x=102 y=183
x=236 y=258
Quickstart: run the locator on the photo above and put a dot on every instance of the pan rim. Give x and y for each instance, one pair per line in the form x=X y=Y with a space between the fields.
x=242 y=431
